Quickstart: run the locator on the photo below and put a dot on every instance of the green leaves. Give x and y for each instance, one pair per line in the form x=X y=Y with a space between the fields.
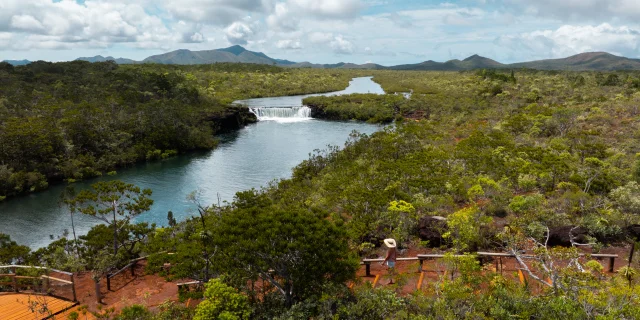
x=113 y=202
x=464 y=227
x=222 y=302
x=113 y=197
x=293 y=249
x=11 y=252
x=364 y=107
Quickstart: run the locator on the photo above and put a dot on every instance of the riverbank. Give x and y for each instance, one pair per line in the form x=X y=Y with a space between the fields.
x=76 y=121
x=250 y=156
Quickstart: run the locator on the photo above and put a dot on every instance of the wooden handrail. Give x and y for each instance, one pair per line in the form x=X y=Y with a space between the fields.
x=56 y=279
x=600 y=255
x=422 y=257
x=365 y=261
x=188 y=283
x=34 y=267
x=16 y=286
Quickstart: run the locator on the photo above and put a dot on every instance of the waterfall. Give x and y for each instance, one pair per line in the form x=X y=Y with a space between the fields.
x=282 y=113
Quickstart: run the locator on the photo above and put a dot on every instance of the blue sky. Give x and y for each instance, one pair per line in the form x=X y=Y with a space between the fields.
x=322 y=31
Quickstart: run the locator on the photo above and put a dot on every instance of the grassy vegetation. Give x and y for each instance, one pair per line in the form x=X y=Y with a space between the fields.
x=77 y=120
x=363 y=107
x=507 y=160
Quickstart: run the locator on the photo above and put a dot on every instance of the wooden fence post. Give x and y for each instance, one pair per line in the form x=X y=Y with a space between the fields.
x=45 y=282
x=73 y=288
x=15 y=280
x=612 y=262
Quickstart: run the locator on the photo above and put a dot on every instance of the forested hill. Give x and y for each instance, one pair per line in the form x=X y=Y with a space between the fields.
x=17 y=62
x=109 y=58
x=231 y=54
x=589 y=61
x=601 y=61
x=77 y=120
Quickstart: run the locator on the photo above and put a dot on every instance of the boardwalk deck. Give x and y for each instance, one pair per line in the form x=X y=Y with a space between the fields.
x=16 y=306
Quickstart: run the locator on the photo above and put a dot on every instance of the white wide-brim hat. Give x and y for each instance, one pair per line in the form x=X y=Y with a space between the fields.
x=391 y=243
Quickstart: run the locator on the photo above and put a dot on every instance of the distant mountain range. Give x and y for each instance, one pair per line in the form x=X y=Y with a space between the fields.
x=599 y=61
x=103 y=59
x=340 y=65
x=471 y=63
x=231 y=54
x=17 y=62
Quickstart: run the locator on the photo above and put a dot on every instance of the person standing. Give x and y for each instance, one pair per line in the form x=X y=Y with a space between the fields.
x=390 y=259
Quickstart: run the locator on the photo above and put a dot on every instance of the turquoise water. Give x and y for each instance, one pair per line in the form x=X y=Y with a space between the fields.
x=249 y=158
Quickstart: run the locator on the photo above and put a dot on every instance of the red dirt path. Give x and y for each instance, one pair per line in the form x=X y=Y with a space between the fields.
x=126 y=290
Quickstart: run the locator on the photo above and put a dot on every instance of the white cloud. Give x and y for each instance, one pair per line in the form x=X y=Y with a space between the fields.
x=189 y=32
x=215 y=12
x=67 y=24
x=569 y=40
x=401 y=20
x=283 y=18
x=239 y=33
x=342 y=46
x=332 y=9
x=26 y=22
x=456 y=20
x=320 y=37
x=418 y=31
x=578 y=10
x=289 y=44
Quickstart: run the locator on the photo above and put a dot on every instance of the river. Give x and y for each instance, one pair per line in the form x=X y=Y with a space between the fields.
x=248 y=158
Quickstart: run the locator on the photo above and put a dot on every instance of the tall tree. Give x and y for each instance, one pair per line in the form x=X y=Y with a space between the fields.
x=295 y=250
x=195 y=197
x=111 y=200
x=66 y=199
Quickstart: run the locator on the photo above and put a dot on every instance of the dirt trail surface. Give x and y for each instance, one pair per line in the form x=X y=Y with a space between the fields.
x=126 y=290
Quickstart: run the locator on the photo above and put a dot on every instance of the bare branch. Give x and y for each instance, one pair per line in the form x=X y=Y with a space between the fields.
x=524 y=267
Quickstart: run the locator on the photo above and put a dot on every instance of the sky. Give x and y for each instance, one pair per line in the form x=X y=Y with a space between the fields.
x=387 y=32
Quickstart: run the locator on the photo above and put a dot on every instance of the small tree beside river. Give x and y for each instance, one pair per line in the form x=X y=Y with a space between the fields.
x=115 y=203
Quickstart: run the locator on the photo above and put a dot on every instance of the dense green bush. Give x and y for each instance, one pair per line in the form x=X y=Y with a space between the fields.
x=364 y=107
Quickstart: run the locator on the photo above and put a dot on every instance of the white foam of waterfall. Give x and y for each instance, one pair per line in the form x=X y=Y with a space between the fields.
x=282 y=114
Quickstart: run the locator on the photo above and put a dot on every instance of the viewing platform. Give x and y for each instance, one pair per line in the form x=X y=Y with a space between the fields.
x=15 y=306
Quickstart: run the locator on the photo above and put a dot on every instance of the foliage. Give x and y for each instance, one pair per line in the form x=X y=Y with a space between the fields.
x=222 y=302
x=464 y=227
x=364 y=107
x=552 y=149
x=79 y=120
x=295 y=250
x=134 y=312
x=111 y=200
x=11 y=252
x=373 y=304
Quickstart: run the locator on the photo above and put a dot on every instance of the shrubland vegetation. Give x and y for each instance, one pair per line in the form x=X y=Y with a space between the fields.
x=363 y=107
x=77 y=120
x=510 y=160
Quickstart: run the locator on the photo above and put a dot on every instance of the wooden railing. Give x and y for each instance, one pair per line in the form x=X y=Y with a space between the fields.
x=481 y=255
x=46 y=278
x=132 y=265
